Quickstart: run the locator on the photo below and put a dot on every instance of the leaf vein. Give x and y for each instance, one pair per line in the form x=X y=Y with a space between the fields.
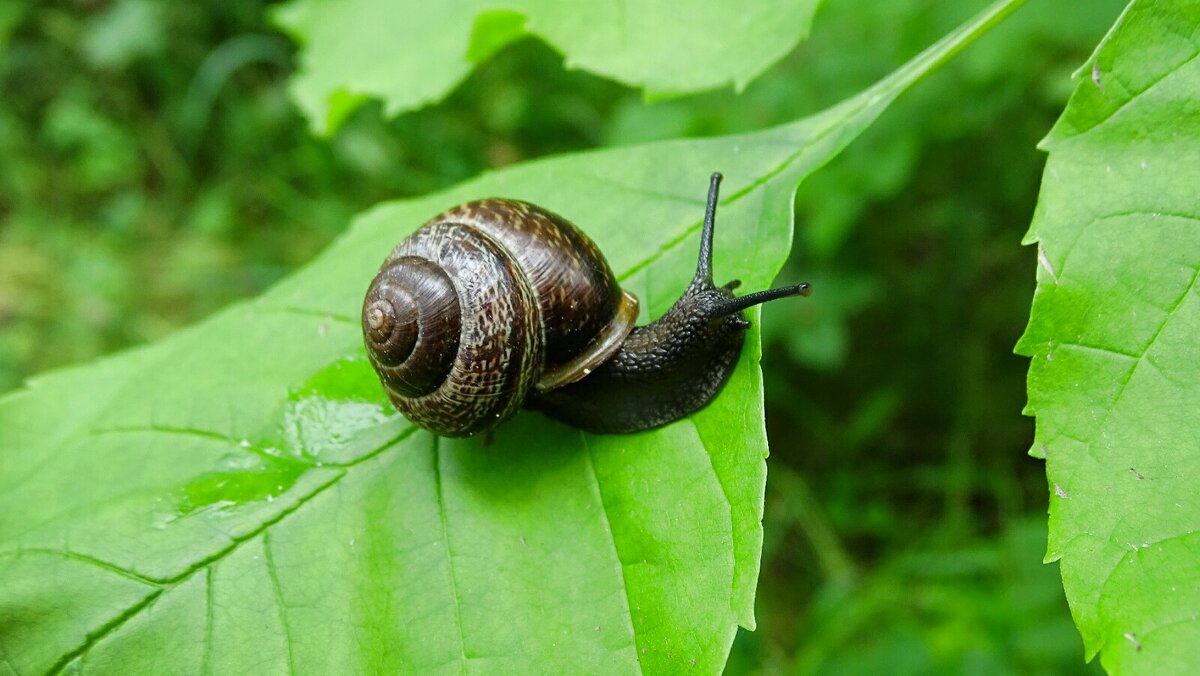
x=172 y=582
x=1167 y=625
x=87 y=559
x=104 y=630
x=277 y=592
x=1103 y=350
x=1139 y=93
x=202 y=434
x=613 y=539
x=1157 y=332
x=1140 y=358
x=437 y=478
x=206 y=661
x=729 y=504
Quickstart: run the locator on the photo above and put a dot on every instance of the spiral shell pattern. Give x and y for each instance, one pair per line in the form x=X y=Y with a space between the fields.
x=478 y=305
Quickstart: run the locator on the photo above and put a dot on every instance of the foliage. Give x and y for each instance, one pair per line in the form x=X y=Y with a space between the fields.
x=150 y=181
x=890 y=396
x=987 y=606
x=1115 y=373
x=513 y=550
x=413 y=55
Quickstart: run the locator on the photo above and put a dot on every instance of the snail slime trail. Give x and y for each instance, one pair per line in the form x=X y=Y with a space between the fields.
x=497 y=304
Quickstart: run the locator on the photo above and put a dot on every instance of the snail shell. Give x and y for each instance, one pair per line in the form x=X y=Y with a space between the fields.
x=485 y=301
x=499 y=303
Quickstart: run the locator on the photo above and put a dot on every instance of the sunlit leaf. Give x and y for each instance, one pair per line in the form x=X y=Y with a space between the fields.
x=1115 y=374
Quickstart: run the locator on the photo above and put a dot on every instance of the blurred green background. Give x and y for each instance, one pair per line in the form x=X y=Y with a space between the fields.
x=154 y=170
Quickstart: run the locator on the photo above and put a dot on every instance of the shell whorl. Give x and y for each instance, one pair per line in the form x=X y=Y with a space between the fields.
x=411 y=322
x=477 y=347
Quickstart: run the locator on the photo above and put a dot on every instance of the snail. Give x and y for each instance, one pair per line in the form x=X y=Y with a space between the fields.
x=497 y=303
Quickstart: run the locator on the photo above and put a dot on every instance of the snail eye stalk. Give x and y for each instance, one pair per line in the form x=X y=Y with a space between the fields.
x=704 y=265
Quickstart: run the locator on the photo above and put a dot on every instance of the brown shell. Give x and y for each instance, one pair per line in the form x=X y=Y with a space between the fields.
x=574 y=283
x=534 y=294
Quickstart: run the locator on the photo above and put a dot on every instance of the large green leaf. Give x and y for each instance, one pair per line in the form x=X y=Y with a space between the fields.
x=1114 y=338
x=239 y=498
x=414 y=53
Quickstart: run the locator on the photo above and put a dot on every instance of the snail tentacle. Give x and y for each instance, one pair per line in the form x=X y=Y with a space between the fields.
x=673 y=366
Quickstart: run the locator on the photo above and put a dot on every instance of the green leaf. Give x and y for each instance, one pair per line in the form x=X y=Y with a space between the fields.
x=1115 y=373
x=414 y=54
x=239 y=496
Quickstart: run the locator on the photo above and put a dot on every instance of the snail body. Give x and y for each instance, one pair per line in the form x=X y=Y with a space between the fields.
x=497 y=304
